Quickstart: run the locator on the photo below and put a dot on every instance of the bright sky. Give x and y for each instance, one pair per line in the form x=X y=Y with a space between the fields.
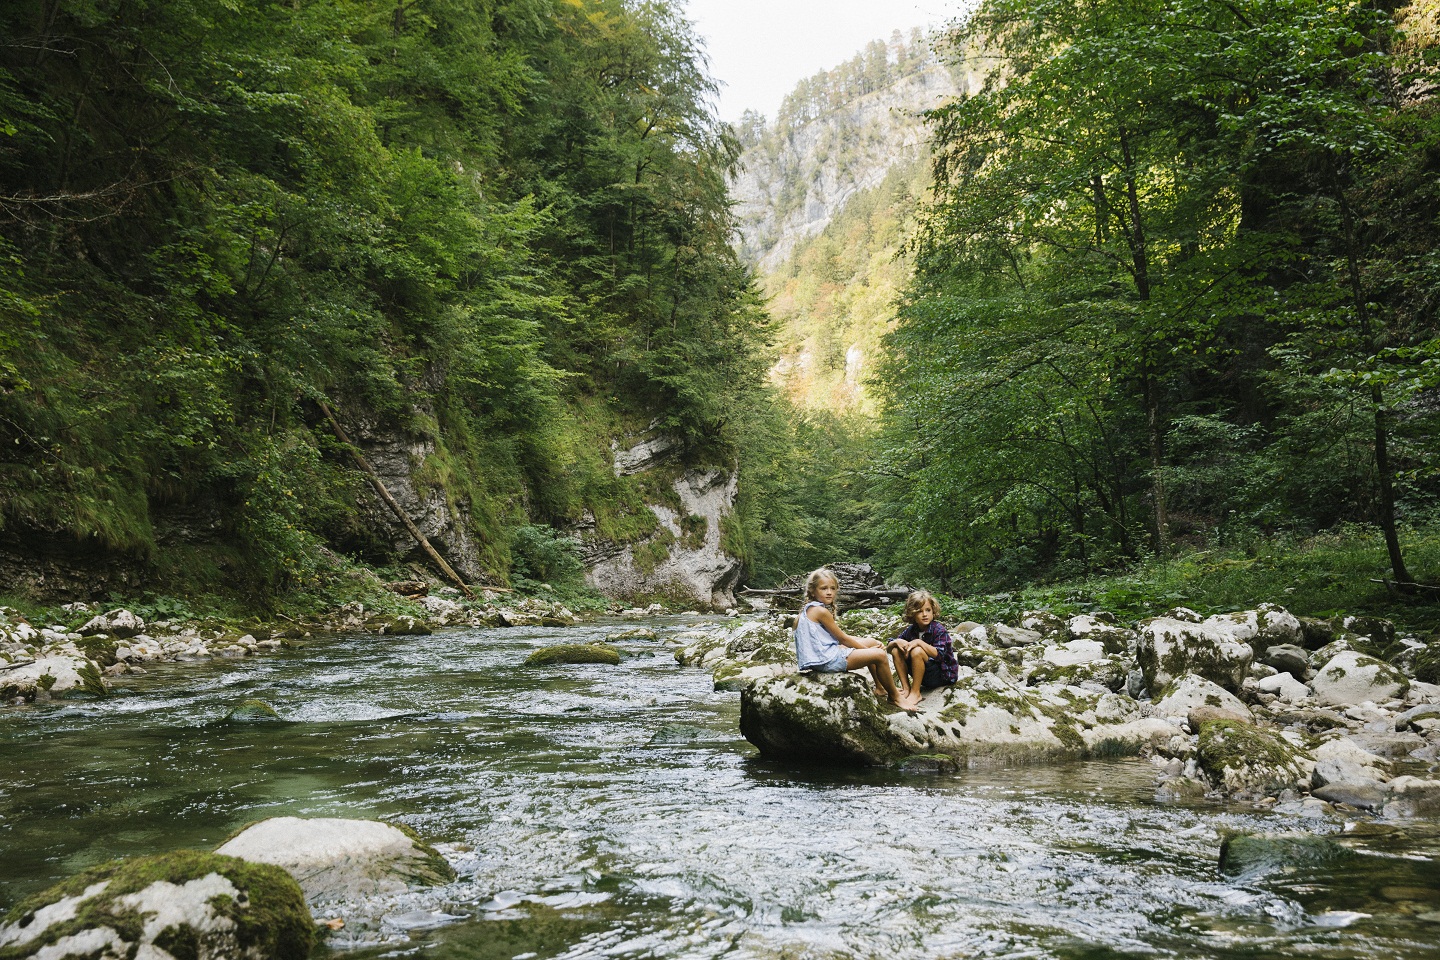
x=759 y=49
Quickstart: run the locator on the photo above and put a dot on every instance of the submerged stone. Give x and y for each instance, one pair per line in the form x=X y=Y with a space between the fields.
x=1250 y=853
x=335 y=859
x=252 y=711
x=186 y=905
x=574 y=653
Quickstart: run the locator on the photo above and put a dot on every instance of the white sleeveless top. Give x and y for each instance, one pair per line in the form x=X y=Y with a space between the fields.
x=814 y=645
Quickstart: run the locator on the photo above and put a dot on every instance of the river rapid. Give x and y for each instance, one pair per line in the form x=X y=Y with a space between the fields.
x=615 y=811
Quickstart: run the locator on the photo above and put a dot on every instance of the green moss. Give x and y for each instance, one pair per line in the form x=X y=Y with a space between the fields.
x=693 y=529
x=653 y=552
x=270 y=915
x=436 y=869
x=252 y=711
x=99 y=649
x=91 y=683
x=574 y=653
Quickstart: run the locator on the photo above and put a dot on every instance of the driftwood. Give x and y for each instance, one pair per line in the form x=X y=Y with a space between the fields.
x=399 y=511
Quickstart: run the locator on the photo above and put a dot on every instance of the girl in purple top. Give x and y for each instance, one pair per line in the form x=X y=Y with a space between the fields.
x=923 y=654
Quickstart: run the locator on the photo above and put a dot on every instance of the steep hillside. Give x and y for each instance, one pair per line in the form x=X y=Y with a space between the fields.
x=822 y=200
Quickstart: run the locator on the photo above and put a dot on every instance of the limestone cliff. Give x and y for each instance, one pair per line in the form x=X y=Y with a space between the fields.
x=683 y=558
x=794 y=177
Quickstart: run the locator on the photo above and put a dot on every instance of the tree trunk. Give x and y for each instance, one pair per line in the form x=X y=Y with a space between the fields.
x=1384 y=473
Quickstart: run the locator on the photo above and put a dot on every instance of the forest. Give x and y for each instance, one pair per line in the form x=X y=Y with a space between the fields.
x=500 y=227
x=1175 y=289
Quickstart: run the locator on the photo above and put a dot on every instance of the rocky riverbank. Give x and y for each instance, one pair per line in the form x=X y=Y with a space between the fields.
x=1302 y=715
x=79 y=657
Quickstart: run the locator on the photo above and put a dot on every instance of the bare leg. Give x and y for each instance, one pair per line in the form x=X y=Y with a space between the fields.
x=876 y=661
x=917 y=671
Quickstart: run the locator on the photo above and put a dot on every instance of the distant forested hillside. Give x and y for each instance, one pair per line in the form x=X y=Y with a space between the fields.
x=494 y=230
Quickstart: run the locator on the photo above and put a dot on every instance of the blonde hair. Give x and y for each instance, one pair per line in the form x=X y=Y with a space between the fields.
x=812 y=582
x=917 y=601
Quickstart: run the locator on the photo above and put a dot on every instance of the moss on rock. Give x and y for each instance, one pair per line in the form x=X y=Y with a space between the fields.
x=574 y=653
x=251 y=911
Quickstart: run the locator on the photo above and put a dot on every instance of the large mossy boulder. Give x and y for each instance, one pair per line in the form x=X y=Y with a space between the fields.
x=1349 y=678
x=574 y=653
x=56 y=677
x=1217 y=650
x=818 y=718
x=1249 y=762
x=836 y=718
x=335 y=859
x=187 y=905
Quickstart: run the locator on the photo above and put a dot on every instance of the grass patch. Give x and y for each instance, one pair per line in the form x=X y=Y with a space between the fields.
x=1322 y=576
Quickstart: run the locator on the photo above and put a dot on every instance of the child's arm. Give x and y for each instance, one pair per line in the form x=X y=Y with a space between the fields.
x=826 y=619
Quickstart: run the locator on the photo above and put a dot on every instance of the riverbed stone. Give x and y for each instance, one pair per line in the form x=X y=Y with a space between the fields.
x=1190 y=692
x=1353 y=678
x=1362 y=796
x=52 y=678
x=186 y=905
x=1114 y=639
x=574 y=653
x=115 y=623
x=1288 y=658
x=1410 y=797
x=1250 y=762
x=336 y=859
x=1341 y=760
x=1168 y=649
x=1284 y=686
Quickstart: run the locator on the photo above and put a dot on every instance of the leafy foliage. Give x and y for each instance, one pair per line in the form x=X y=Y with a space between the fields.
x=451 y=222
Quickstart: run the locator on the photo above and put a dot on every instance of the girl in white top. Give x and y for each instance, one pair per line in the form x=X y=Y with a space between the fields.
x=821 y=645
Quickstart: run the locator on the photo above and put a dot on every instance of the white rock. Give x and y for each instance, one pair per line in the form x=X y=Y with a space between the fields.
x=30 y=681
x=1074 y=652
x=1339 y=760
x=335 y=859
x=115 y=623
x=1285 y=687
x=1192 y=691
x=1352 y=678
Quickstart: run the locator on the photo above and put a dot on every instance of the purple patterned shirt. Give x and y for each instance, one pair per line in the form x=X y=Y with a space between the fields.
x=943 y=663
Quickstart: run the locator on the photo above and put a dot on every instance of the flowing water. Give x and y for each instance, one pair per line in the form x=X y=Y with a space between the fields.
x=597 y=811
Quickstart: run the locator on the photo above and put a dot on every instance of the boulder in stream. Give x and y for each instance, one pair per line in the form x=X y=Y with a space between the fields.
x=1350 y=678
x=335 y=859
x=574 y=653
x=186 y=904
x=835 y=718
x=53 y=677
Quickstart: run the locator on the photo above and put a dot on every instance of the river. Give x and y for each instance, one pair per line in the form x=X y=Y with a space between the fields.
x=615 y=811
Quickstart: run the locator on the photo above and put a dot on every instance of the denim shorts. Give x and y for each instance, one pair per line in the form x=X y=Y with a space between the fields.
x=836 y=664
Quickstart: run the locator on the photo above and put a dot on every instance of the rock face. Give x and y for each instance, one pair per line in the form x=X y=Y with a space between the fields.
x=189 y=905
x=399 y=460
x=874 y=132
x=683 y=558
x=334 y=859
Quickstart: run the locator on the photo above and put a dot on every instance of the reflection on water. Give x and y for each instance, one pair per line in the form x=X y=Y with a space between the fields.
x=596 y=810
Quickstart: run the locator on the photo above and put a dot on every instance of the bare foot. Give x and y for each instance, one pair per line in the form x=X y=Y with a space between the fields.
x=905 y=703
x=880 y=692
x=913 y=700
